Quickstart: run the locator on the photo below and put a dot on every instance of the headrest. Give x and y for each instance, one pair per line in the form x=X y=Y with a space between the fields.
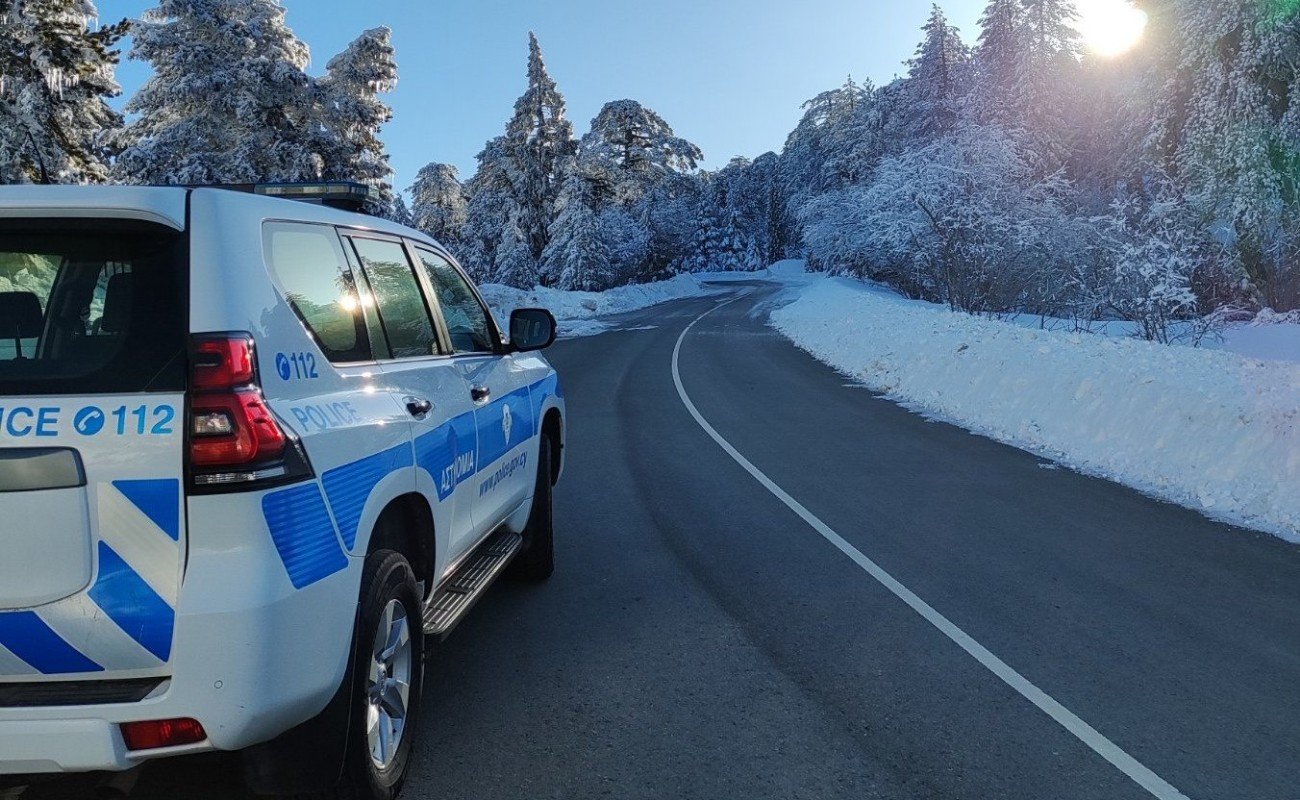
x=118 y=299
x=20 y=315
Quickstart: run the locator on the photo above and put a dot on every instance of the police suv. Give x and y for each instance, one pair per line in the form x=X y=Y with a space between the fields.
x=252 y=453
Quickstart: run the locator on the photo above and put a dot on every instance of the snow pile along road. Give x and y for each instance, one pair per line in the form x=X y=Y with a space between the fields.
x=576 y=311
x=1211 y=430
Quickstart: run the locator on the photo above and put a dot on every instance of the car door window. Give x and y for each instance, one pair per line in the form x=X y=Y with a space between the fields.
x=319 y=284
x=402 y=309
x=467 y=320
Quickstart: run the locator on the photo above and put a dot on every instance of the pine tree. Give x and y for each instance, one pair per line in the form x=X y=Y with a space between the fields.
x=1233 y=155
x=540 y=140
x=439 y=205
x=229 y=101
x=1049 y=74
x=513 y=195
x=352 y=113
x=837 y=143
x=577 y=254
x=55 y=77
x=629 y=149
x=935 y=84
x=997 y=64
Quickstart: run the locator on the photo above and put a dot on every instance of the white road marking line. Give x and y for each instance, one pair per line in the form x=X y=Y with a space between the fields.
x=1090 y=736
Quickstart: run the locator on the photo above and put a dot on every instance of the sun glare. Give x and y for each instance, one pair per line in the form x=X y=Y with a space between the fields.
x=1110 y=27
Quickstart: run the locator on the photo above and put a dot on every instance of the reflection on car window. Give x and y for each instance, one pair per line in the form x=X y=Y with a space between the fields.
x=319 y=284
x=467 y=320
x=397 y=293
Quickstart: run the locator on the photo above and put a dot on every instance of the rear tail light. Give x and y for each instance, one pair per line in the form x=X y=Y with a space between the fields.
x=153 y=734
x=235 y=438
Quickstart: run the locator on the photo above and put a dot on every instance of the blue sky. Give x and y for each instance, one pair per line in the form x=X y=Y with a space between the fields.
x=729 y=75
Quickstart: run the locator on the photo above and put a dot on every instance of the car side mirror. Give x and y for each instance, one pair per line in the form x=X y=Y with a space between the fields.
x=531 y=329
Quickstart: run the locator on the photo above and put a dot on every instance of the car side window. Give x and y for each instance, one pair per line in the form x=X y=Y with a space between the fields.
x=396 y=290
x=467 y=319
x=320 y=286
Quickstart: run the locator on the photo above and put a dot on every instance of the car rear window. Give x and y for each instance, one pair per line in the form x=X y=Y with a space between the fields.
x=90 y=307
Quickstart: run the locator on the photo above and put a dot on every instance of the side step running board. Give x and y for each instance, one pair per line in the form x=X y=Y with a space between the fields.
x=462 y=590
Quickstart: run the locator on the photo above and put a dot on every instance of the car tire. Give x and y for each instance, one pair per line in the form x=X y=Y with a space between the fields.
x=389 y=597
x=536 y=562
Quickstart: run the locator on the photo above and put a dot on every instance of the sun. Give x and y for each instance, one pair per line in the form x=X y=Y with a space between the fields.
x=1110 y=27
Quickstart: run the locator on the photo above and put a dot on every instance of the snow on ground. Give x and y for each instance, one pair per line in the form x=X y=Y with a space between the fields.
x=1269 y=337
x=577 y=311
x=1207 y=428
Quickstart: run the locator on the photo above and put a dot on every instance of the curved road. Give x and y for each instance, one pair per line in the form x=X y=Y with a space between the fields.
x=702 y=640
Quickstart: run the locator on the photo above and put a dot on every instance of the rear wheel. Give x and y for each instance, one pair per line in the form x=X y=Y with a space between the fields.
x=537 y=560
x=387 y=670
x=389 y=660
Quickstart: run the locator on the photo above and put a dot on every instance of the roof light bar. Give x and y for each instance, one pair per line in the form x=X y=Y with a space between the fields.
x=327 y=192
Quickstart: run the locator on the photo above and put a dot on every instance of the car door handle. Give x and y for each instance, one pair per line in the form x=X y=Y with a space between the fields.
x=418 y=407
x=480 y=394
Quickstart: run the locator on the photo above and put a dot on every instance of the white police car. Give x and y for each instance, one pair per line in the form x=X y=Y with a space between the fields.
x=251 y=450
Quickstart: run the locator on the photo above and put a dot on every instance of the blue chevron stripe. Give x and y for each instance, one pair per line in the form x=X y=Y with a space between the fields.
x=129 y=602
x=349 y=486
x=303 y=534
x=159 y=500
x=27 y=636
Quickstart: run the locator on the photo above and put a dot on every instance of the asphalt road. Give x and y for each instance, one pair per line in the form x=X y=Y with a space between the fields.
x=701 y=640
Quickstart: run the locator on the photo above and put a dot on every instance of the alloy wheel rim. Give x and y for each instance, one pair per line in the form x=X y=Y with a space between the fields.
x=388 y=684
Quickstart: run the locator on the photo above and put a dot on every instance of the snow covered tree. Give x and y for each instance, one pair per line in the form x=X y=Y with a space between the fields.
x=540 y=142
x=629 y=149
x=439 y=205
x=352 y=113
x=513 y=195
x=670 y=212
x=747 y=192
x=228 y=102
x=56 y=75
x=1233 y=152
x=719 y=243
x=1048 y=76
x=962 y=221
x=591 y=249
x=577 y=253
x=936 y=82
x=835 y=143
x=997 y=62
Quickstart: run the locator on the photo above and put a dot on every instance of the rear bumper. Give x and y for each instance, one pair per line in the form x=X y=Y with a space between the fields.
x=253 y=657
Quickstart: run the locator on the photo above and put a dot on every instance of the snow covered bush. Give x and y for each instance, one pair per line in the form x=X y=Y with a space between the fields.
x=962 y=221
x=1155 y=251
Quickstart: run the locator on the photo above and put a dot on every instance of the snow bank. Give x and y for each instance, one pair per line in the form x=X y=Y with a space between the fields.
x=577 y=311
x=1211 y=430
x=1274 y=337
x=790 y=268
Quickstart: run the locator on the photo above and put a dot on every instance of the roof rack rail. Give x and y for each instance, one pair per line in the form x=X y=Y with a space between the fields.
x=345 y=195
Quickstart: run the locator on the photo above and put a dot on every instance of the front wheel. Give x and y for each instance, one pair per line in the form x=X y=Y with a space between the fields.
x=537 y=560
